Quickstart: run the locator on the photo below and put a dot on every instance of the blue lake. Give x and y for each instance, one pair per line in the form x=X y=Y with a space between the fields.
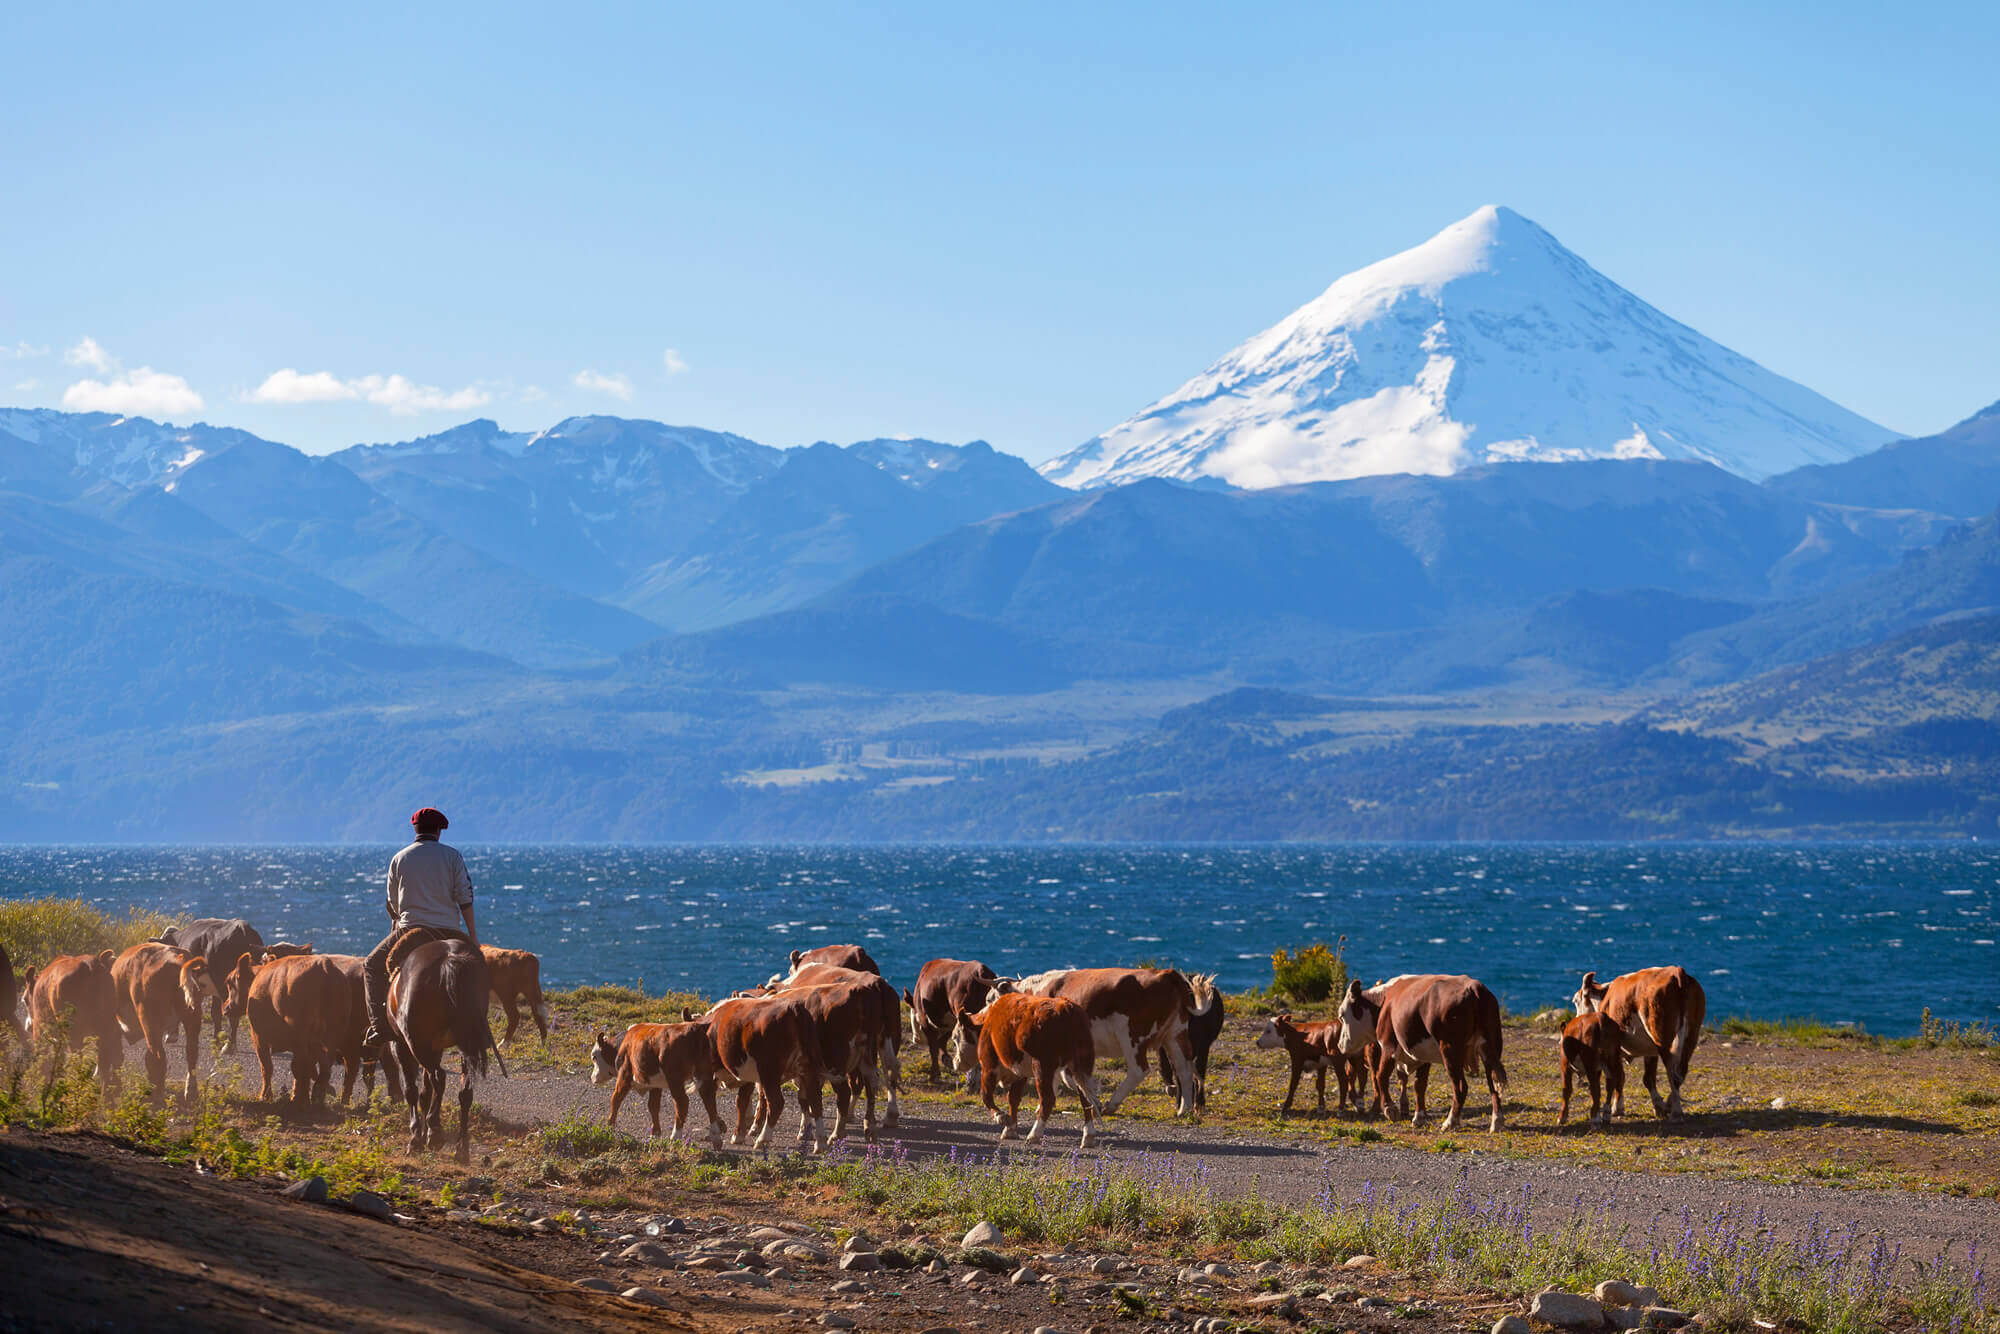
x=1862 y=933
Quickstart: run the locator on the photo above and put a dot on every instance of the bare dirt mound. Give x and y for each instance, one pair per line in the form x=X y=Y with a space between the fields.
x=95 y=1237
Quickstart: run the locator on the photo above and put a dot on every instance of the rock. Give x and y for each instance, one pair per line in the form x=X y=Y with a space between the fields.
x=1047 y=1329
x=1195 y=1278
x=935 y=1267
x=662 y=1227
x=799 y=1250
x=647 y=1253
x=543 y=1226
x=1103 y=1264
x=776 y=1236
x=645 y=1296
x=312 y=1190
x=1624 y=1317
x=1779 y=1104
x=835 y=1320
x=1645 y=1296
x=861 y=1262
x=713 y=1264
x=982 y=1234
x=1270 y=1301
x=369 y=1205
x=1567 y=1310
x=857 y=1241
x=1372 y=1303
x=749 y=1278
x=1663 y=1317
x=939 y=1329
x=850 y=1285
x=595 y=1285
x=1617 y=1292
x=610 y=1258
x=1023 y=1275
x=1512 y=1324
x=1264 y=1266
x=1224 y=1271
x=461 y=1215
x=1360 y=1262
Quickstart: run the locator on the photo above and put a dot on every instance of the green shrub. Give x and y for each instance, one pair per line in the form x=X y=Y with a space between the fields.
x=1312 y=974
x=33 y=931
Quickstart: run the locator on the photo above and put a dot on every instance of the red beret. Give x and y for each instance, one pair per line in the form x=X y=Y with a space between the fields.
x=430 y=817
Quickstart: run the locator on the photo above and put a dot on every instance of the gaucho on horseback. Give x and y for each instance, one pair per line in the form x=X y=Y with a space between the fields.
x=430 y=893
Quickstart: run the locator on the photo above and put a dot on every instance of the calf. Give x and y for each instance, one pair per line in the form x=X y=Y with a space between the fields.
x=516 y=977
x=1592 y=1043
x=72 y=998
x=760 y=1042
x=1659 y=1012
x=1018 y=1036
x=160 y=988
x=1132 y=1012
x=1427 y=1020
x=1314 y=1048
x=1203 y=1030
x=660 y=1058
x=221 y=941
x=946 y=990
x=10 y=999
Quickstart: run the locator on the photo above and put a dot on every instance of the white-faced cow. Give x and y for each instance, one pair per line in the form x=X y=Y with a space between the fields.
x=1314 y=1048
x=660 y=1058
x=1019 y=1037
x=1425 y=1020
x=945 y=990
x=1133 y=1012
x=859 y=1021
x=1660 y=1012
x=760 y=1043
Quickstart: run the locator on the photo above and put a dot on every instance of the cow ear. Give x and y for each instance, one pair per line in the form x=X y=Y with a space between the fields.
x=107 y=956
x=687 y=1014
x=908 y=999
x=1284 y=1016
x=796 y=956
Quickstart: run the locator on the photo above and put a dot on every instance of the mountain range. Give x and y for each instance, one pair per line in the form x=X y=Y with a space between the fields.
x=1643 y=569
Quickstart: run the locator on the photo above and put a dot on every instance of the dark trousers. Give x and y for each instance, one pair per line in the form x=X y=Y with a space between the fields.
x=389 y=954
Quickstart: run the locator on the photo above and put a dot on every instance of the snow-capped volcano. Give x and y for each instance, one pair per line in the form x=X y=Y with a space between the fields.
x=1488 y=343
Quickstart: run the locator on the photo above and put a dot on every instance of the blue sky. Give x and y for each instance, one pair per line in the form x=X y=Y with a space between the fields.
x=825 y=222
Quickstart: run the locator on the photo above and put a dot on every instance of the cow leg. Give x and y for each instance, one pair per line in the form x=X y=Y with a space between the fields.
x=263 y=1065
x=680 y=1097
x=1012 y=1124
x=191 y=1036
x=706 y=1087
x=1319 y=1086
x=1135 y=1069
x=989 y=1084
x=843 y=1105
x=770 y=1107
x=1045 y=1100
x=1298 y=1073
x=936 y=1046
x=234 y=1020
x=1180 y=1051
x=513 y=1018
x=744 y=1092
x=539 y=1008
x=1454 y=1068
x=810 y=1109
x=1082 y=1088
x=1423 y=1083
x=1614 y=1087
x=1653 y=1087
x=653 y=1110
x=1569 y=1085
x=1597 y=1073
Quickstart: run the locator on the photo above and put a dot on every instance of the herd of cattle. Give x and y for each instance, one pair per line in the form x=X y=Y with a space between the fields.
x=831 y=1021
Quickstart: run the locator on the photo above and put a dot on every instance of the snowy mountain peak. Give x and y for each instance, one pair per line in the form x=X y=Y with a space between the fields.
x=132 y=451
x=1491 y=342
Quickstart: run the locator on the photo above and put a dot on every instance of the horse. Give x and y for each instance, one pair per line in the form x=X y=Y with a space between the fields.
x=437 y=1001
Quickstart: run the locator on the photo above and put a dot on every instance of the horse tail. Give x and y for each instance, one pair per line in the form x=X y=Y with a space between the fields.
x=465 y=986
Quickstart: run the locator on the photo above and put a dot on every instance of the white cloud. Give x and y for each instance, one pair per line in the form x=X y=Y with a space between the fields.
x=596 y=382
x=22 y=351
x=533 y=393
x=398 y=393
x=89 y=352
x=141 y=393
x=23 y=386
x=289 y=386
x=674 y=363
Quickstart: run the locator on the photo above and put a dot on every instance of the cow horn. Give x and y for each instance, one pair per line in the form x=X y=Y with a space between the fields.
x=687 y=1014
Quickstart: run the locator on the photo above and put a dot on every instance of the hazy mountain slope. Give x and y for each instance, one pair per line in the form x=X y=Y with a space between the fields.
x=118 y=651
x=321 y=517
x=1960 y=576
x=1490 y=342
x=131 y=451
x=587 y=505
x=1955 y=472
x=824 y=516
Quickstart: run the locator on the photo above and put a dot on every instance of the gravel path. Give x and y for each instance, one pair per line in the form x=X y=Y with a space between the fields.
x=1299 y=1171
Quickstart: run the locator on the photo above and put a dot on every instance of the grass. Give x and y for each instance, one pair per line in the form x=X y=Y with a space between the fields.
x=33 y=931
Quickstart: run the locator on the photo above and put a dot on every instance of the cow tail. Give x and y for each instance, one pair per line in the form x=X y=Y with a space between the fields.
x=1489 y=1042
x=466 y=988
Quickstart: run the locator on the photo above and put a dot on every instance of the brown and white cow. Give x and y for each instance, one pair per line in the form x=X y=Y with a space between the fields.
x=859 y=1020
x=315 y=1007
x=1018 y=1037
x=516 y=978
x=1593 y=1047
x=1660 y=1012
x=285 y=949
x=1314 y=1048
x=1425 y=1020
x=1133 y=1012
x=161 y=988
x=660 y=1058
x=760 y=1043
x=945 y=990
x=837 y=956
x=74 y=997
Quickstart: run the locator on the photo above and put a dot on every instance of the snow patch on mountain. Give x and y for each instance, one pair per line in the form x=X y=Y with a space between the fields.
x=1488 y=343
x=132 y=451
